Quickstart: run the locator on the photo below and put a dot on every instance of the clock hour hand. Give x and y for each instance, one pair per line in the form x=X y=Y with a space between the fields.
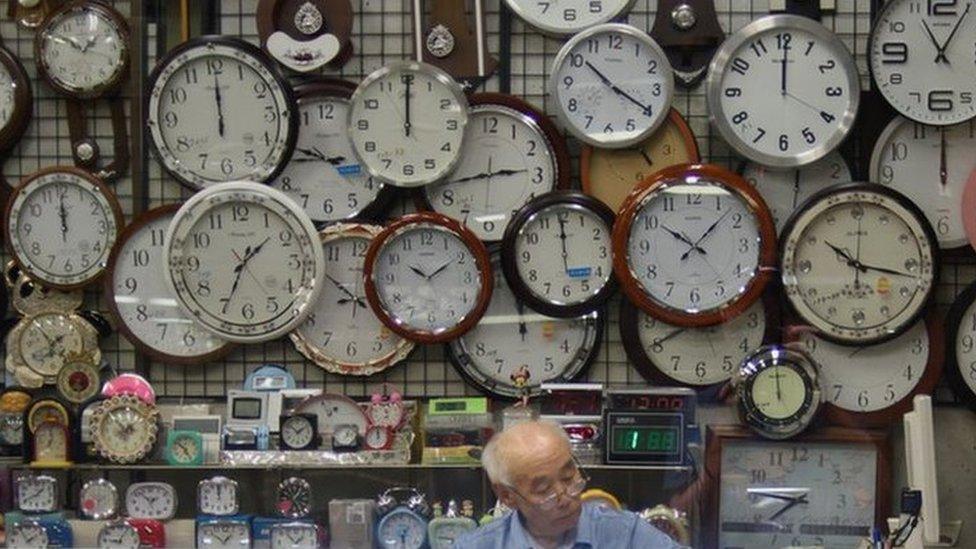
x=438 y=270
x=782 y=71
x=521 y=315
x=220 y=107
x=417 y=270
x=352 y=297
x=843 y=253
x=562 y=241
x=645 y=156
x=486 y=175
x=951 y=35
x=704 y=235
x=63 y=215
x=935 y=42
x=943 y=170
x=406 y=107
x=683 y=238
x=646 y=109
x=793 y=503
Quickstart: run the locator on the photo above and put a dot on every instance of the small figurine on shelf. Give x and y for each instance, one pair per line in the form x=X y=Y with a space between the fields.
x=520 y=411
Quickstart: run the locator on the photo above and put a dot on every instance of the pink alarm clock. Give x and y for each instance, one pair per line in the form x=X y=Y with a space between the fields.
x=130 y=384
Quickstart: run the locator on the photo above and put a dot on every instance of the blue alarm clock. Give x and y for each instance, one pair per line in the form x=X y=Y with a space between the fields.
x=402 y=525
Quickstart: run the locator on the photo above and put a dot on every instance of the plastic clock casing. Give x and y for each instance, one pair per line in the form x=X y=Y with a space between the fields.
x=690 y=174
x=133 y=488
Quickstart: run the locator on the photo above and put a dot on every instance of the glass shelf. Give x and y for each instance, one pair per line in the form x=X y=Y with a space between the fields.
x=16 y=464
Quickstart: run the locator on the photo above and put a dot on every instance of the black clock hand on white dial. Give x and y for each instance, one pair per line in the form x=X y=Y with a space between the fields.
x=793 y=503
x=521 y=321
x=417 y=271
x=645 y=109
x=562 y=242
x=857 y=252
x=486 y=175
x=952 y=34
x=782 y=71
x=674 y=333
x=683 y=238
x=406 y=107
x=440 y=269
x=488 y=186
x=843 y=253
x=63 y=215
x=943 y=170
x=865 y=268
x=645 y=156
x=938 y=49
x=220 y=106
x=704 y=235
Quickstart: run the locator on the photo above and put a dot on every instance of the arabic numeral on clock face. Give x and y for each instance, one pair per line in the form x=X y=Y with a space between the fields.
x=894 y=53
x=942 y=7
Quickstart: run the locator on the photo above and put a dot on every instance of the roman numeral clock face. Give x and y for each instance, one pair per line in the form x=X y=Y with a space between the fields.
x=783 y=91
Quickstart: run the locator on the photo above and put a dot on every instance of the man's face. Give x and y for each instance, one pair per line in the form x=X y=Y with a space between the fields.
x=549 y=470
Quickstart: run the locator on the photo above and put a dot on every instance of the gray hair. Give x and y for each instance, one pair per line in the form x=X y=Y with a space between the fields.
x=497 y=453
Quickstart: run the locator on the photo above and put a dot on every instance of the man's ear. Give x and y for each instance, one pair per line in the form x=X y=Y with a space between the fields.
x=504 y=494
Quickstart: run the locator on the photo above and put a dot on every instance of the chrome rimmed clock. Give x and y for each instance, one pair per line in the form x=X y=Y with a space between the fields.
x=564 y=17
x=778 y=391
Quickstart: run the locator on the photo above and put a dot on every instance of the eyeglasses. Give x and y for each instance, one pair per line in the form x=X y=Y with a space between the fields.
x=572 y=489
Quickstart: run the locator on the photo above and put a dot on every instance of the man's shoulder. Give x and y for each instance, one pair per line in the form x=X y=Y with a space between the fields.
x=485 y=536
x=611 y=524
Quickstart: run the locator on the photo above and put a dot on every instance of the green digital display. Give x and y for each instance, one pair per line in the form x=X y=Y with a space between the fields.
x=655 y=439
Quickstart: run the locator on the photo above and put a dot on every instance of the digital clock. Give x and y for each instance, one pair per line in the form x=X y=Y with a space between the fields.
x=649 y=426
x=654 y=439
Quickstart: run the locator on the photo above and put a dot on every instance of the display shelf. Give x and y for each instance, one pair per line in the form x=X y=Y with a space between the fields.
x=314 y=467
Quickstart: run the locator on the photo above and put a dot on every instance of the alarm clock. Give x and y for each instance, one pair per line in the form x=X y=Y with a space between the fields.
x=402 y=524
x=184 y=448
x=649 y=426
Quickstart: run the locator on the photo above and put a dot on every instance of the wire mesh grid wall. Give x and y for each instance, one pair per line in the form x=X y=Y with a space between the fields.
x=382 y=33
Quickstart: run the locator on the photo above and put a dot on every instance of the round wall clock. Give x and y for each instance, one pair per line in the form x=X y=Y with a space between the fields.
x=697 y=357
x=82 y=49
x=512 y=153
x=783 y=91
x=930 y=166
x=778 y=390
x=244 y=261
x=407 y=123
x=859 y=263
x=612 y=84
x=141 y=303
x=60 y=225
x=342 y=334
x=217 y=110
x=873 y=385
x=556 y=254
x=694 y=245
x=16 y=101
x=514 y=350
x=568 y=16
x=960 y=346
x=45 y=342
x=610 y=174
x=428 y=278
x=124 y=428
x=324 y=175
x=921 y=59
x=785 y=189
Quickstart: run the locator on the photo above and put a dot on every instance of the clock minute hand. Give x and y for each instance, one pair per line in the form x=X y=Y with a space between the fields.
x=683 y=238
x=704 y=235
x=943 y=170
x=220 y=107
x=938 y=48
x=793 y=503
x=865 y=268
x=952 y=34
x=646 y=109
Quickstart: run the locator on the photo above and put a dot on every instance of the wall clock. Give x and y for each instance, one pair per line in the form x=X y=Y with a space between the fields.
x=930 y=166
x=512 y=153
x=428 y=278
x=873 y=385
x=568 y=17
x=323 y=175
x=124 y=428
x=960 y=346
x=305 y=35
x=16 y=105
x=514 y=350
x=778 y=391
x=225 y=250
x=922 y=62
x=610 y=174
x=60 y=225
x=698 y=357
x=407 y=123
x=776 y=65
x=42 y=344
x=858 y=263
x=612 y=85
x=140 y=301
x=556 y=254
x=694 y=245
x=341 y=333
x=217 y=110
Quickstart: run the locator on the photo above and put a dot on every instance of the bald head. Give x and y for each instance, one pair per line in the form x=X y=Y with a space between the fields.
x=522 y=448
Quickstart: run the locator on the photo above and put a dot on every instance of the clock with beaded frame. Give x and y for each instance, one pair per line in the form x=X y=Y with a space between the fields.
x=960 y=346
x=556 y=254
x=218 y=110
x=60 y=225
x=694 y=245
x=428 y=277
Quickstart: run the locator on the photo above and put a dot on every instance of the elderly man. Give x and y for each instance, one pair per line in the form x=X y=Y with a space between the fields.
x=532 y=470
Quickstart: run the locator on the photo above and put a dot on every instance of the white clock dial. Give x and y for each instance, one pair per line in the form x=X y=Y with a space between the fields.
x=37 y=494
x=244 y=261
x=783 y=91
x=796 y=493
x=401 y=529
x=297 y=432
x=150 y=500
x=224 y=534
x=8 y=95
x=126 y=432
x=324 y=175
x=406 y=122
x=61 y=226
x=514 y=348
x=568 y=16
x=613 y=85
x=217 y=496
x=785 y=189
x=342 y=334
x=142 y=301
x=47 y=339
x=859 y=265
x=218 y=111
x=83 y=49
x=26 y=534
x=118 y=535
x=50 y=443
x=98 y=499
x=506 y=161
x=698 y=356
x=871 y=377
x=294 y=536
x=377 y=438
x=930 y=166
x=922 y=58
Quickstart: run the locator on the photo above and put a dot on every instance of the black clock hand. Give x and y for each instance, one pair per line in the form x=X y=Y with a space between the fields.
x=417 y=270
x=821 y=112
x=645 y=156
x=438 y=270
x=943 y=170
x=857 y=254
x=521 y=315
x=220 y=107
x=406 y=108
x=674 y=333
x=952 y=34
x=562 y=242
x=788 y=506
x=486 y=175
x=646 y=109
x=704 y=235
x=782 y=70
x=935 y=42
x=683 y=238
x=238 y=272
x=865 y=268
x=843 y=253
x=779 y=393
x=488 y=186
x=63 y=215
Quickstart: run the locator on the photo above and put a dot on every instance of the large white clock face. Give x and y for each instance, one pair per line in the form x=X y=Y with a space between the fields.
x=217 y=112
x=870 y=377
x=930 y=166
x=401 y=529
x=858 y=265
x=775 y=494
x=613 y=85
x=323 y=175
x=923 y=60
x=783 y=91
x=407 y=123
x=83 y=49
x=514 y=345
x=342 y=333
x=62 y=227
x=224 y=535
x=143 y=300
x=507 y=160
x=244 y=261
x=568 y=16
x=427 y=278
x=694 y=246
x=786 y=189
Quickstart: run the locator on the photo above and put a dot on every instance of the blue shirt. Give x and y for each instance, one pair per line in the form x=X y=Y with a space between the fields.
x=599 y=527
